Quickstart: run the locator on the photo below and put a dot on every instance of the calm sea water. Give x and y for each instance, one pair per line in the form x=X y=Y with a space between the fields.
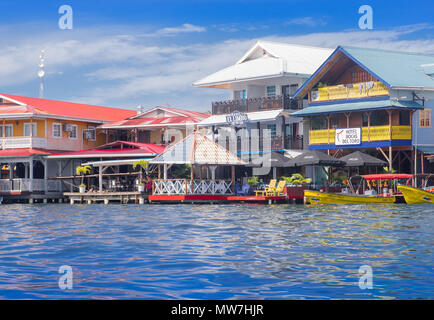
x=216 y=251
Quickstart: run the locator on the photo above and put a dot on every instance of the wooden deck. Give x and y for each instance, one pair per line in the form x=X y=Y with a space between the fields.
x=212 y=199
x=106 y=197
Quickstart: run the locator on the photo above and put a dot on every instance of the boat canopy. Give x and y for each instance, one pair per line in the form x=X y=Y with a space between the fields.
x=387 y=176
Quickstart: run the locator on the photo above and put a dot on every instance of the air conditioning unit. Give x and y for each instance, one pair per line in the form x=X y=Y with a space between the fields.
x=67 y=127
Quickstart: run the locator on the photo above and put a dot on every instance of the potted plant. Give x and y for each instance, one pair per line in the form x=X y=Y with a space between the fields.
x=254 y=181
x=81 y=171
x=295 y=185
x=142 y=165
x=82 y=188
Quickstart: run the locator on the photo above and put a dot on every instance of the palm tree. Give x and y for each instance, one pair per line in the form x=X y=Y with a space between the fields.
x=142 y=164
x=81 y=171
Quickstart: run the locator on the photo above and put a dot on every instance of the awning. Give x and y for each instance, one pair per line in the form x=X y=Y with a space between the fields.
x=357 y=106
x=108 y=163
x=271 y=159
x=425 y=149
x=257 y=116
x=387 y=176
x=314 y=158
x=360 y=159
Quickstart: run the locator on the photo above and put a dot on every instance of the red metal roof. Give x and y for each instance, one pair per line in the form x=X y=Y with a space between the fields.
x=153 y=121
x=387 y=176
x=64 y=109
x=113 y=149
x=23 y=152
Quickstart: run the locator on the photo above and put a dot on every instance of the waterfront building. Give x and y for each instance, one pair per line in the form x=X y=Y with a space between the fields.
x=376 y=101
x=261 y=85
x=159 y=125
x=32 y=128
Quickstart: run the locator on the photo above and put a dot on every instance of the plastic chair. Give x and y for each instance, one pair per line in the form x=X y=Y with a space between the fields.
x=279 y=189
x=271 y=187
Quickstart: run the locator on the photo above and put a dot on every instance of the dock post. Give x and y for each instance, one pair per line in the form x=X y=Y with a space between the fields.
x=106 y=201
x=89 y=201
x=45 y=200
x=141 y=200
x=71 y=201
x=30 y=200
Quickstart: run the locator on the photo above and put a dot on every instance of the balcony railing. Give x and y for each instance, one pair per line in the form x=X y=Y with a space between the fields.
x=369 y=134
x=351 y=91
x=23 y=142
x=256 y=104
x=185 y=186
x=25 y=185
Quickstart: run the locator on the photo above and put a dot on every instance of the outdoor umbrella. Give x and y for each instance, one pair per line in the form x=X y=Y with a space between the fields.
x=314 y=158
x=360 y=159
x=272 y=159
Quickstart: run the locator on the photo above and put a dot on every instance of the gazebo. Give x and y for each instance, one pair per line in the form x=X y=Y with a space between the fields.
x=195 y=150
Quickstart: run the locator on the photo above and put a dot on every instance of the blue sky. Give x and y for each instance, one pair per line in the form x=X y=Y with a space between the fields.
x=126 y=53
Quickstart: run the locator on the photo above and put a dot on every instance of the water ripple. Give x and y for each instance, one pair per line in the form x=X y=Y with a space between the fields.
x=216 y=251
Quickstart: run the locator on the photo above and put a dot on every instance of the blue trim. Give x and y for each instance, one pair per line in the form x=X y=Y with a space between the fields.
x=339 y=49
x=259 y=152
x=363 y=145
x=315 y=104
x=365 y=68
x=318 y=70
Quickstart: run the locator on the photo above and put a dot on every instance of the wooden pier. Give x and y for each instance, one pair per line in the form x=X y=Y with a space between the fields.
x=106 y=197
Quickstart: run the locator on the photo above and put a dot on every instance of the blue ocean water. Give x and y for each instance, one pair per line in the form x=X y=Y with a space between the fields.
x=216 y=251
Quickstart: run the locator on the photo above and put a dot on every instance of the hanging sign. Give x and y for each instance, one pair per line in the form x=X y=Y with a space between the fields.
x=348 y=136
x=237 y=119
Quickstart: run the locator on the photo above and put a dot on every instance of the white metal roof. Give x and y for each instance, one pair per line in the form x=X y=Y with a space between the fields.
x=268 y=59
x=268 y=115
x=113 y=162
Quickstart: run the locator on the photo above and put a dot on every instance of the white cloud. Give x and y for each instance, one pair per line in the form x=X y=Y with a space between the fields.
x=185 y=28
x=128 y=69
x=306 y=21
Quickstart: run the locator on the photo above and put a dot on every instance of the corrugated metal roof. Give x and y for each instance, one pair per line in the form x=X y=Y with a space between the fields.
x=220 y=119
x=398 y=69
x=357 y=106
x=197 y=149
x=64 y=109
x=267 y=59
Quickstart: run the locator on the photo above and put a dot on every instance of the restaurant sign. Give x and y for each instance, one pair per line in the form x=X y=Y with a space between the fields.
x=237 y=119
x=348 y=136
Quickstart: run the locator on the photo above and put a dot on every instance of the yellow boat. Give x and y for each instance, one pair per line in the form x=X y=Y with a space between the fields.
x=316 y=197
x=416 y=195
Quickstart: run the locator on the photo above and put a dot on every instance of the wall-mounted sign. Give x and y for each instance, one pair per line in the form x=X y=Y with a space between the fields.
x=348 y=136
x=237 y=119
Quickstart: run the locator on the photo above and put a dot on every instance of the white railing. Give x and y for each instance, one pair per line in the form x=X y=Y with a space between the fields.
x=185 y=186
x=23 y=142
x=24 y=185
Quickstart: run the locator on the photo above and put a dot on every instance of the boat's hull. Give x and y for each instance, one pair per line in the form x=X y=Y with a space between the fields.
x=316 y=197
x=416 y=195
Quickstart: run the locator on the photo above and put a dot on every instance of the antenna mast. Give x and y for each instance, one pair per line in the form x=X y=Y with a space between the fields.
x=41 y=73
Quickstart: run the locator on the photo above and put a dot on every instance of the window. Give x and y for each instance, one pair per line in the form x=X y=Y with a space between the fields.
x=92 y=133
x=73 y=132
x=9 y=132
x=288 y=131
x=379 y=118
x=271 y=91
x=318 y=123
x=272 y=129
x=57 y=130
x=240 y=95
x=404 y=118
x=425 y=118
x=27 y=129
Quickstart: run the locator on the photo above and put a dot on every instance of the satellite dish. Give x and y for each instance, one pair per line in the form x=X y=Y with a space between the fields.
x=41 y=73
